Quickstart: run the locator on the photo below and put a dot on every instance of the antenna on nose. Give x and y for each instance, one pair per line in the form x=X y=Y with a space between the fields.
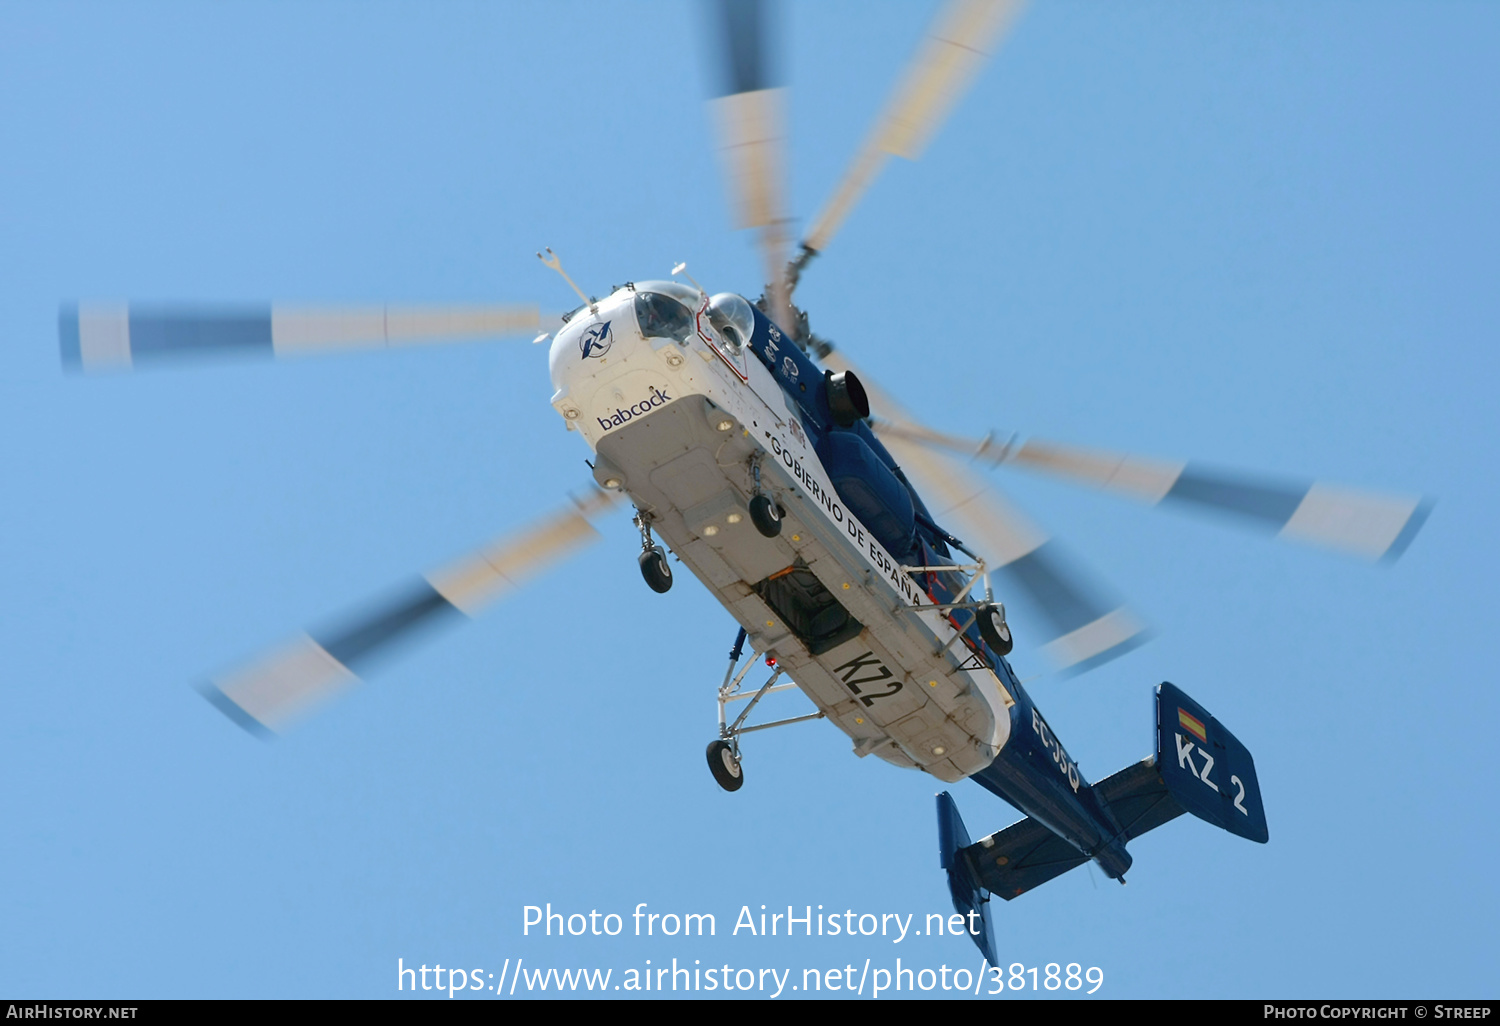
x=682 y=270
x=551 y=261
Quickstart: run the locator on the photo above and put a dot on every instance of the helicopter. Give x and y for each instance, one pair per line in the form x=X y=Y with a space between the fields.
x=748 y=447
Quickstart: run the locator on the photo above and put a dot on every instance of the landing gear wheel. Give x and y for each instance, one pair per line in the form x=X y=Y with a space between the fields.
x=766 y=515
x=994 y=629
x=724 y=766
x=655 y=570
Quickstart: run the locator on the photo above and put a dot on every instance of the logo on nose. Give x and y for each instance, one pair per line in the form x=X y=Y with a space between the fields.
x=596 y=341
x=640 y=409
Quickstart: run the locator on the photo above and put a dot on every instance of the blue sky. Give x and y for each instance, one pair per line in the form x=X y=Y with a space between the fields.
x=1259 y=235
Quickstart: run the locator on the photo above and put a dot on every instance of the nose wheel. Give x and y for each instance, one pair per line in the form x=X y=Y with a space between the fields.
x=653 y=558
x=655 y=569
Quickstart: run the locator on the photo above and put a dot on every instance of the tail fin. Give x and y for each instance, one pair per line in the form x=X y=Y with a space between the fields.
x=1199 y=767
x=969 y=899
x=1205 y=767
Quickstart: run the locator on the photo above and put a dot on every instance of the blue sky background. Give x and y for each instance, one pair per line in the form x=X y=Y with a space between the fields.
x=1261 y=235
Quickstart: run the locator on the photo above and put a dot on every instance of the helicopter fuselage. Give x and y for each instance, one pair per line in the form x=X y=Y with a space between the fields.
x=691 y=426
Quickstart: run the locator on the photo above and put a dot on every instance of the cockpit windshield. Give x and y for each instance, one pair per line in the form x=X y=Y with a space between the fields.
x=732 y=318
x=661 y=316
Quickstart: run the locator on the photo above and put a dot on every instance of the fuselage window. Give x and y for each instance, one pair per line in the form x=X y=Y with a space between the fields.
x=662 y=316
x=731 y=317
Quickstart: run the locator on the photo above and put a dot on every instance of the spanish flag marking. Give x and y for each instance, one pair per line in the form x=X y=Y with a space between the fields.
x=1191 y=724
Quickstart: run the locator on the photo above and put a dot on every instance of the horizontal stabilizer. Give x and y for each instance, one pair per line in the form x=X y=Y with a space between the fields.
x=1022 y=856
x=1027 y=854
x=1138 y=798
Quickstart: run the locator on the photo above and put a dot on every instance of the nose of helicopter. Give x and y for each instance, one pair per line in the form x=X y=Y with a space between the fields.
x=591 y=341
x=650 y=311
x=620 y=359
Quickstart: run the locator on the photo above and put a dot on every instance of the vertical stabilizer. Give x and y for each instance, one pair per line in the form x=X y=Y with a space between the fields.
x=969 y=899
x=1205 y=767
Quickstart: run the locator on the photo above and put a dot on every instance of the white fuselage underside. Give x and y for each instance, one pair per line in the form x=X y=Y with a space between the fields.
x=652 y=409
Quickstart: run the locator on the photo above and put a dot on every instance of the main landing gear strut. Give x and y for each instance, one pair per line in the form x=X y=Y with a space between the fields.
x=724 y=754
x=989 y=615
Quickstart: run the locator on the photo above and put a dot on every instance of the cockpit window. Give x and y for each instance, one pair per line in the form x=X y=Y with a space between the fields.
x=732 y=318
x=662 y=316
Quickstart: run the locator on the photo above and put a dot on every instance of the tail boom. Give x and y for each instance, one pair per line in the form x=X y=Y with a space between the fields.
x=1199 y=767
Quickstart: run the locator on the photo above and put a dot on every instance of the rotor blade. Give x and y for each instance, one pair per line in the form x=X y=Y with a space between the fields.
x=1366 y=524
x=287 y=685
x=964 y=34
x=751 y=121
x=1086 y=624
x=101 y=337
